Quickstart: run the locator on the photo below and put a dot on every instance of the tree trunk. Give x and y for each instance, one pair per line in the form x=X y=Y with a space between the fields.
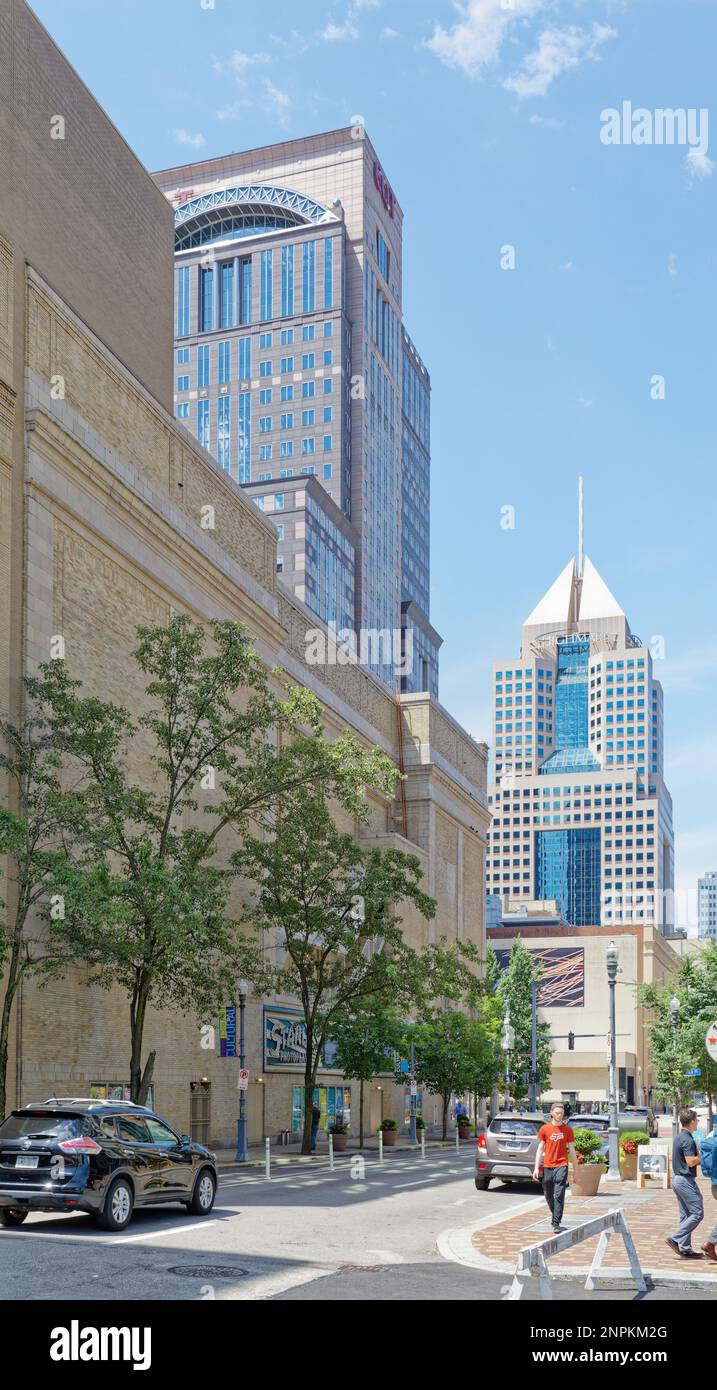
x=14 y=975
x=138 y=1014
x=147 y=1075
x=361 y=1113
x=310 y=1071
x=445 y=1116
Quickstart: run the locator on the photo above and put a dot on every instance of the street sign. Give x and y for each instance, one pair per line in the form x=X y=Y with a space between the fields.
x=243 y=1080
x=696 y=1071
x=414 y=1088
x=711 y=1041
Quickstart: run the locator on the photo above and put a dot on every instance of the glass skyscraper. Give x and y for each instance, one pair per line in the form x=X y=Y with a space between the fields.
x=292 y=361
x=580 y=812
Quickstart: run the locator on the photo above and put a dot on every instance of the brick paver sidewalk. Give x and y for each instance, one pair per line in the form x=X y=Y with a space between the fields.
x=651 y=1215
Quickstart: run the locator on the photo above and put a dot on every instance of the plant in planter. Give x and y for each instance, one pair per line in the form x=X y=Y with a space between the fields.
x=420 y=1123
x=629 y=1145
x=389 y=1130
x=591 y=1163
x=340 y=1133
x=464 y=1127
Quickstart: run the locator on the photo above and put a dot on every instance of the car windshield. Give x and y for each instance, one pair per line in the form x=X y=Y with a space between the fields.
x=39 y=1124
x=525 y=1129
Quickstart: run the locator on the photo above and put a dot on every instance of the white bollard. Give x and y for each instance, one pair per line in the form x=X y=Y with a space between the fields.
x=331 y=1151
x=267 y=1149
x=458 y=1142
x=380 y=1146
x=423 y=1143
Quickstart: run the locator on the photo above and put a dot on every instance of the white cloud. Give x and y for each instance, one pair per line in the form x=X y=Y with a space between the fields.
x=672 y=265
x=476 y=40
x=281 y=100
x=548 y=121
x=557 y=51
x=238 y=62
x=367 y=4
x=183 y=137
x=699 y=164
x=336 y=33
x=389 y=33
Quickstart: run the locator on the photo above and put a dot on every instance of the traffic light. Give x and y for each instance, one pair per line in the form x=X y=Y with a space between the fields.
x=571 y=1042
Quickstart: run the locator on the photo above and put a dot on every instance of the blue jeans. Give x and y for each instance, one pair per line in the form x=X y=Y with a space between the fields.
x=692 y=1210
x=314 y=1133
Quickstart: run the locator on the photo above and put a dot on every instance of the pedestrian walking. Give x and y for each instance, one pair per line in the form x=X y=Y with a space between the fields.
x=315 y=1122
x=708 y=1163
x=685 y=1158
x=556 y=1143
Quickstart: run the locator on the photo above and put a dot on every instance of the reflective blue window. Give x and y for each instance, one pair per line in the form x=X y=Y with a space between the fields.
x=266 y=286
x=223 y=432
x=227 y=295
x=245 y=437
x=183 y=301
x=567 y=867
x=206 y=300
x=203 y=423
x=225 y=358
x=287 y=281
x=246 y=291
x=309 y=269
x=244 y=359
x=329 y=273
x=203 y=365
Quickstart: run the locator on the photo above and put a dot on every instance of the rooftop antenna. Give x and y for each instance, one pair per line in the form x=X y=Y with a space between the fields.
x=581 y=525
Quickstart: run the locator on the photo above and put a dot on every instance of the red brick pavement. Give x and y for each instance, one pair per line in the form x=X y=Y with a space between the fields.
x=650 y=1216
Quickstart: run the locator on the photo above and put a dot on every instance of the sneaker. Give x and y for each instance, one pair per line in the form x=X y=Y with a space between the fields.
x=710 y=1250
x=691 y=1254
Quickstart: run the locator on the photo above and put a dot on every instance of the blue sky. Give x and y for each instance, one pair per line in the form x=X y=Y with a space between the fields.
x=486 y=117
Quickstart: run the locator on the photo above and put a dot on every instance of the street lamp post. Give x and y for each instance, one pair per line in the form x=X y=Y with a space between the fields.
x=534 y=1046
x=412 y=1120
x=241 y=1153
x=675 y=1017
x=613 y=1174
x=508 y=1045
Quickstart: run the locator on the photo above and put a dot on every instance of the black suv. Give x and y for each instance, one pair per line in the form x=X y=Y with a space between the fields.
x=101 y=1157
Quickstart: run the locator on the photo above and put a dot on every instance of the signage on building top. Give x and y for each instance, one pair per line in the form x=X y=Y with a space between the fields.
x=388 y=196
x=182 y=195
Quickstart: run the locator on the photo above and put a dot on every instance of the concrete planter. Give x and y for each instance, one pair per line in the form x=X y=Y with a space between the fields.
x=628 y=1167
x=389 y=1137
x=340 y=1142
x=587 y=1180
x=464 y=1131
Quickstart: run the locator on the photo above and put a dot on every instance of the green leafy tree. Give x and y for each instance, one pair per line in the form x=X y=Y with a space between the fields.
x=365 y=1041
x=514 y=992
x=331 y=910
x=147 y=888
x=676 y=1051
x=454 y=1053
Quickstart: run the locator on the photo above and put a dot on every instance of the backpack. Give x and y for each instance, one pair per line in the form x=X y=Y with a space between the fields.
x=708 y=1155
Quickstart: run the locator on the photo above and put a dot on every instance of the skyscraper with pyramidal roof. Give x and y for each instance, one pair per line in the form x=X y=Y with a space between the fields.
x=580 y=809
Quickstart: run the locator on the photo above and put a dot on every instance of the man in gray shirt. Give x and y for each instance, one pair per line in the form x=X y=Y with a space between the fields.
x=685 y=1158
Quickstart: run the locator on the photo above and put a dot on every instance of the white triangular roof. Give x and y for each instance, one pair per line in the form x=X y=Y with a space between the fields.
x=596 y=601
x=554 y=606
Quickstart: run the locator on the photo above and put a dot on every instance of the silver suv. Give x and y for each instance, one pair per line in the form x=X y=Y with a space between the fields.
x=507 y=1148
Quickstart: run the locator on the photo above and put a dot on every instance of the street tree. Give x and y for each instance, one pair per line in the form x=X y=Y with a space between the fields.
x=678 y=1047
x=147 y=888
x=366 y=1039
x=514 y=993
x=454 y=1053
x=331 y=910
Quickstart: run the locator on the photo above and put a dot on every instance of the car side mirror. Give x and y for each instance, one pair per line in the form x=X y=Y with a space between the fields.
x=185 y=1141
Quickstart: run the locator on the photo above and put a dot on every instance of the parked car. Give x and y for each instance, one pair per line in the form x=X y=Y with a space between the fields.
x=507 y=1147
x=597 y=1123
x=101 y=1157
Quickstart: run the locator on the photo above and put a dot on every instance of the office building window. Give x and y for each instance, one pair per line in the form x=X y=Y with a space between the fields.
x=309 y=267
x=287 y=393
x=308 y=361
x=183 y=284
x=308 y=332
x=244 y=359
x=246 y=283
x=287 y=364
x=287 y=336
x=265 y=455
x=223 y=432
x=308 y=389
x=203 y=423
x=308 y=446
x=182 y=356
x=383 y=256
x=286 y=449
x=225 y=360
x=328 y=443
x=266 y=285
x=203 y=365
x=182 y=383
x=329 y=273
x=226 y=305
x=183 y=410
x=206 y=299
x=245 y=437
x=287 y=281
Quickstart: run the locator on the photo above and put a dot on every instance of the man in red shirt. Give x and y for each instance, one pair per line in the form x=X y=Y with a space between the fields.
x=556 y=1142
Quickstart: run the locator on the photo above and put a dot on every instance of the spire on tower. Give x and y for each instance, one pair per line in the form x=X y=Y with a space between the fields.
x=581 y=526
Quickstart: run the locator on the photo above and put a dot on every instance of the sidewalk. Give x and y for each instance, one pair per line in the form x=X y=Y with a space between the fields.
x=651 y=1215
x=281 y=1156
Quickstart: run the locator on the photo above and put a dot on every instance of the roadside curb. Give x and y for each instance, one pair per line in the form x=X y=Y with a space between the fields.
x=457 y=1245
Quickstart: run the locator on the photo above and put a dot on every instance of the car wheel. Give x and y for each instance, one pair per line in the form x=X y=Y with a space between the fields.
x=119 y=1203
x=205 y=1190
x=12 y=1216
x=481 y=1184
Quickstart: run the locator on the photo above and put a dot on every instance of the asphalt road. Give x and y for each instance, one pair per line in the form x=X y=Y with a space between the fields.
x=307 y=1234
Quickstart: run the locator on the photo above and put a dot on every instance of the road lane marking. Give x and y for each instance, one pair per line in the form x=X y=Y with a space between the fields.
x=173 y=1231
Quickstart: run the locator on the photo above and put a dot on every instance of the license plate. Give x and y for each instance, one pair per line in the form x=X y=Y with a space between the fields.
x=26 y=1161
x=515 y=1148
